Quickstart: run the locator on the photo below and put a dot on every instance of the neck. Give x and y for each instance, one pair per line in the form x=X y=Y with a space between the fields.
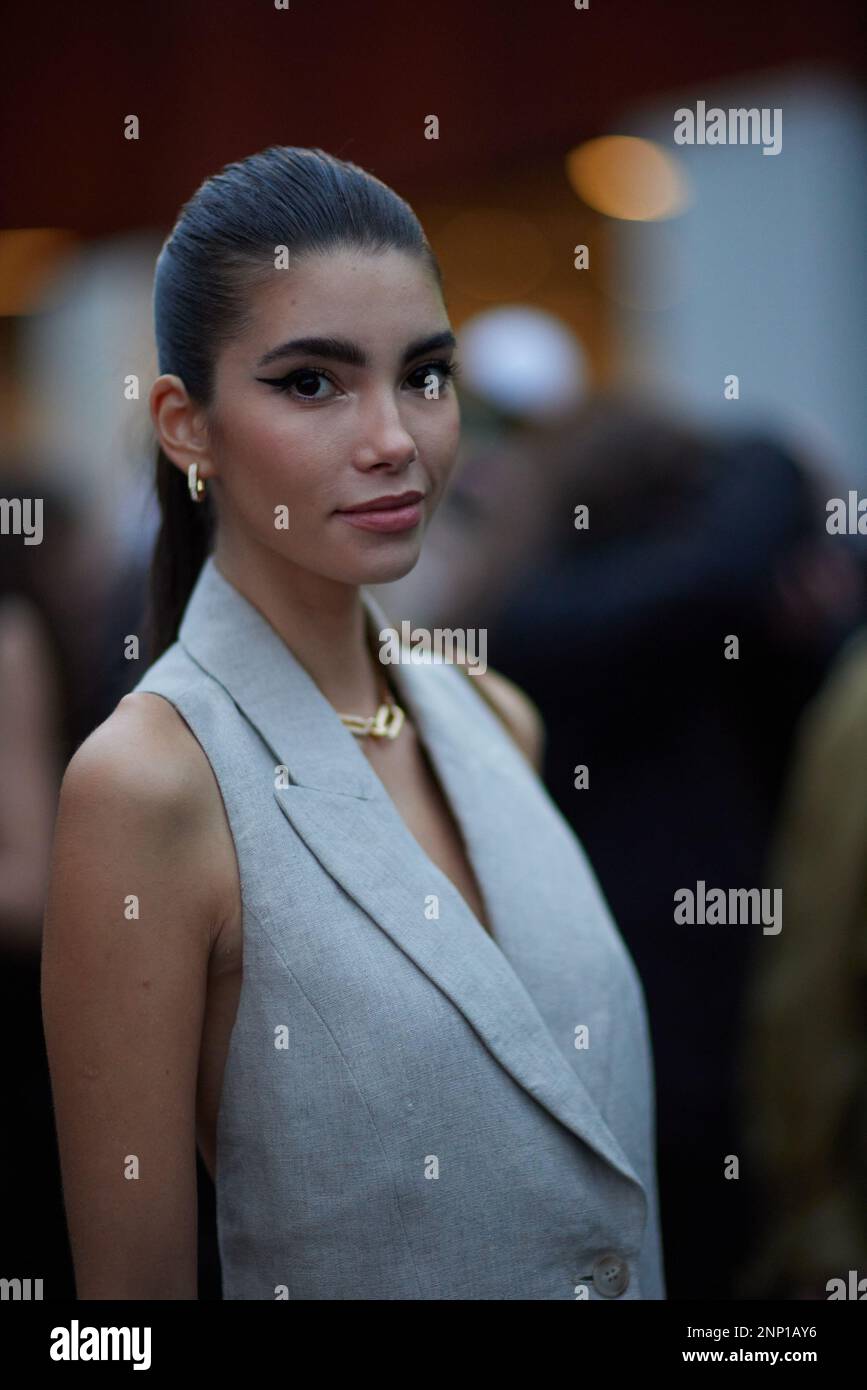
x=321 y=621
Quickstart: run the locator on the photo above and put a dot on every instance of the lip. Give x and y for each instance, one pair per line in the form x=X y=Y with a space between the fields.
x=398 y=512
x=382 y=504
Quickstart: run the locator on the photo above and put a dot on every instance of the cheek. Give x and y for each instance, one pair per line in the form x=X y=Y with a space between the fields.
x=276 y=454
x=268 y=431
x=445 y=443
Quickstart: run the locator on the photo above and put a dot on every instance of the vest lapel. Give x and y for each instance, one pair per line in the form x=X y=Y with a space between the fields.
x=340 y=809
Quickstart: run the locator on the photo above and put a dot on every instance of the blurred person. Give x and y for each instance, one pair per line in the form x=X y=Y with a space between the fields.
x=617 y=633
x=46 y=673
x=309 y=910
x=29 y=767
x=804 y=1049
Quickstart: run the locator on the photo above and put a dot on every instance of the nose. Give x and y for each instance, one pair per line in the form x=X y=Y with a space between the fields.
x=384 y=440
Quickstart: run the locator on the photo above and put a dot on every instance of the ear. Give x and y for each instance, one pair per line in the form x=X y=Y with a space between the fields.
x=180 y=425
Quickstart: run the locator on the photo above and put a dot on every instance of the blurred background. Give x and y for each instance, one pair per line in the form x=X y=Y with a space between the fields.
x=670 y=336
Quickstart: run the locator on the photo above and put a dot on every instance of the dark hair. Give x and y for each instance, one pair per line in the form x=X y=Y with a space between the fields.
x=223 y=243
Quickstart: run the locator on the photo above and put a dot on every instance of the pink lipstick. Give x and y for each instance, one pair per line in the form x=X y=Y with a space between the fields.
x=399 y=512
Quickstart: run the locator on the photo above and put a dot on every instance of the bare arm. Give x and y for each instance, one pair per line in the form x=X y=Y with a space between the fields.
x=123 y=1002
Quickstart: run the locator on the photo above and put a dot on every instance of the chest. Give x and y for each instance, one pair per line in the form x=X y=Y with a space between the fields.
x=407 y=774
x=408 y=777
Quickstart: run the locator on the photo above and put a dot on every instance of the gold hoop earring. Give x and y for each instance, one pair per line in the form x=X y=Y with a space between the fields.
x=195 y=483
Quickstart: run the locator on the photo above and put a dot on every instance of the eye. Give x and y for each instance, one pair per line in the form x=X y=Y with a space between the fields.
x=447 y=371
x=304 y=381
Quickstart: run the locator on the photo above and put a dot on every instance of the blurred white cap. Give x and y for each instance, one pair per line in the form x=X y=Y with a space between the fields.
x=523 y=361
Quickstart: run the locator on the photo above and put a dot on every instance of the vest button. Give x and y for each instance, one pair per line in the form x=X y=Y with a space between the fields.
x=610 y=1275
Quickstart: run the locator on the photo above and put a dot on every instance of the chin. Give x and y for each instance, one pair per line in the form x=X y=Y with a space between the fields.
x=391 y=564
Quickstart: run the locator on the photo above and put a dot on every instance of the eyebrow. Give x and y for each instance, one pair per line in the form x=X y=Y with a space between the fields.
x=342 y=350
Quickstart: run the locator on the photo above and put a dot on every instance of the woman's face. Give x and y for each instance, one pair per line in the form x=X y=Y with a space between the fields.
x=316 y=429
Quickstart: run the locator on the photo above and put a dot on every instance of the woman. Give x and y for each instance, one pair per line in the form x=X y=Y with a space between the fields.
x=328 y=926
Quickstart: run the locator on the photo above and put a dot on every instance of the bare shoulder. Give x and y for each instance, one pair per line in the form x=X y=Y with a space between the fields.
x=139 y=798
x=144 y=752
x=518 y=712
